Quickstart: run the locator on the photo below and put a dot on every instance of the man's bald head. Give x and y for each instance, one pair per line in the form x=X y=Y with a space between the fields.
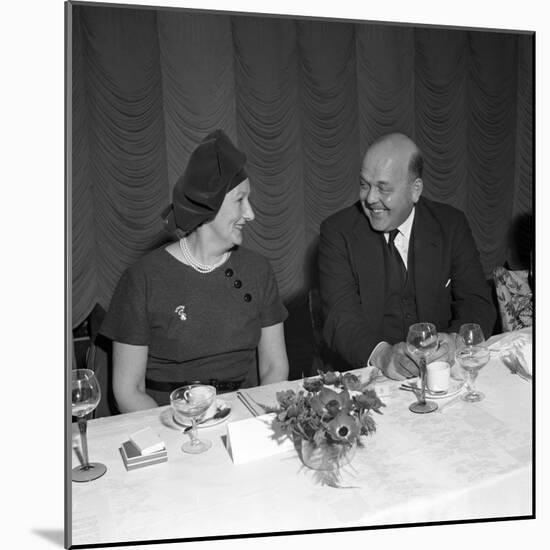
x=400 y=146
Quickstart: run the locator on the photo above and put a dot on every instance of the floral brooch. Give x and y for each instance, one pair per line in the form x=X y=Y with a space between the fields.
x=180 y=312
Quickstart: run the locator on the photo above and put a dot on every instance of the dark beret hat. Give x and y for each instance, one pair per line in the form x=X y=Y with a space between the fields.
x=215 y=167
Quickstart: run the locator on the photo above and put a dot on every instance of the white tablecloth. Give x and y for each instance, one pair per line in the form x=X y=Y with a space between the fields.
x=471 y=461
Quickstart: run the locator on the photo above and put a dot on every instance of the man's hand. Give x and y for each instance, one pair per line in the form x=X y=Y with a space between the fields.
x=394 y=362
x=446 y=349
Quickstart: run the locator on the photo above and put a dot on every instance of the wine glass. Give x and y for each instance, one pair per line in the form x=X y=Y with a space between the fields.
x=421 y=341
x=471 y=334
x=472 y=354
x=86 y=394
x=192 y=402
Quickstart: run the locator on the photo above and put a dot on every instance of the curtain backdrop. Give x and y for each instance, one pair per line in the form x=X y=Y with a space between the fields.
x=303 y=98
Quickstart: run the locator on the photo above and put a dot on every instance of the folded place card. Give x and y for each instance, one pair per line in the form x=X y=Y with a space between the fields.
x=255 y=438
x=147 y=441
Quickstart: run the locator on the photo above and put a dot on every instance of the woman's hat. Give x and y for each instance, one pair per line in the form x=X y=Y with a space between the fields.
x=215 y=167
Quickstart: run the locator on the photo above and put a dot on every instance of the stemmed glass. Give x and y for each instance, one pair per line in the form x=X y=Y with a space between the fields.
x=86 y=394
x=192 y=402
x=421 y=341
x=472 y=354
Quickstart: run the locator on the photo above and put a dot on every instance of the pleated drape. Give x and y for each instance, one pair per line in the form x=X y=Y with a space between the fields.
x=196 y=63
x=441 y=108
x=126 y=172
x=523 y=177
x=491 y=140
x=303 y=99
x=268 y=128
x=85 y=279
x=385 y=80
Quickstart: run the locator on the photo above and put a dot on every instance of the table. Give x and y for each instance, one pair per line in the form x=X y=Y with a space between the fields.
x=471 y=461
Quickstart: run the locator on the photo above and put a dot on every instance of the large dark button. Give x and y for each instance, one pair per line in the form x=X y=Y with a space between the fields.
x=237 y=284
x=229 y=272
x=247 y=297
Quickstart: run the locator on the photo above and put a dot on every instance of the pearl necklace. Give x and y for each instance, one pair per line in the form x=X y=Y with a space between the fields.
x=197 y=266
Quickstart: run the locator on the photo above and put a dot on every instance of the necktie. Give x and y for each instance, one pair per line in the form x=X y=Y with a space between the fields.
x=396 y=260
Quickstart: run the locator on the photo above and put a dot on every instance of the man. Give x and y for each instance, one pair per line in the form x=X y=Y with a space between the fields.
x=375 y=281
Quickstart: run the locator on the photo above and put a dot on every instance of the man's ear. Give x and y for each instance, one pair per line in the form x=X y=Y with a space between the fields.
x=417 y=186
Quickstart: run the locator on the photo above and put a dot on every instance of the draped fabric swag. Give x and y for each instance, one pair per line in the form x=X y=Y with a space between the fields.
x=303 y=98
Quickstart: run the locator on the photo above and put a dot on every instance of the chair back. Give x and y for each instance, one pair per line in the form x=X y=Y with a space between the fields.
x=324 y=358
x=316 y=318
x=99 y=358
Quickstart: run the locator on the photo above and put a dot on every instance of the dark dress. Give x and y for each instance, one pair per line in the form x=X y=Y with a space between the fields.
x=197 y=326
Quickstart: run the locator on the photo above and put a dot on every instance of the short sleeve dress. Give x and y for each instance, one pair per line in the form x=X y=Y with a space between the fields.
x=197 y=326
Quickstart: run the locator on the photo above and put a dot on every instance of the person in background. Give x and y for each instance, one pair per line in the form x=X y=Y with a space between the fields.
x=395 y=258
x=202 y=308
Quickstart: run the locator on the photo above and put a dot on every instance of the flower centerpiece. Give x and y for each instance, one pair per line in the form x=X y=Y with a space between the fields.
x=327 y=419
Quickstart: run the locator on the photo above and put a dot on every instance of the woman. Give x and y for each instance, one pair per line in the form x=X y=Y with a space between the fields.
x=202 y=308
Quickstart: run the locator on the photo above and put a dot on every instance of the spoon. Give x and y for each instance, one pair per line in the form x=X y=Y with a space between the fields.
x=220 y=413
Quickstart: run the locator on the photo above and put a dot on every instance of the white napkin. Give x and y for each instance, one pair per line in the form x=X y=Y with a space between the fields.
x=524 y=353
x=518 y=343
x=505 y=342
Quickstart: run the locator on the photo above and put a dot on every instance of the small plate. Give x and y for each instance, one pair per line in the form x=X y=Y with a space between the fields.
x=454 y=387
x=221 y=405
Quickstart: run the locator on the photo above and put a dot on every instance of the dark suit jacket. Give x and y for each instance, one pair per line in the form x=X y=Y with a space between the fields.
x=352 y=278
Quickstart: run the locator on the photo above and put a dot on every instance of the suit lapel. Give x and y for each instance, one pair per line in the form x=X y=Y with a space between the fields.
x=368 y=251
x=427 y=245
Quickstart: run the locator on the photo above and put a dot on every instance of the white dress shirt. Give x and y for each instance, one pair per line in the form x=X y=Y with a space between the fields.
x=403 y=238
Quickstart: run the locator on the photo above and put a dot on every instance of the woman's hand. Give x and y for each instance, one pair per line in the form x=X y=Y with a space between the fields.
x=272 y=358
x=129 y=366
